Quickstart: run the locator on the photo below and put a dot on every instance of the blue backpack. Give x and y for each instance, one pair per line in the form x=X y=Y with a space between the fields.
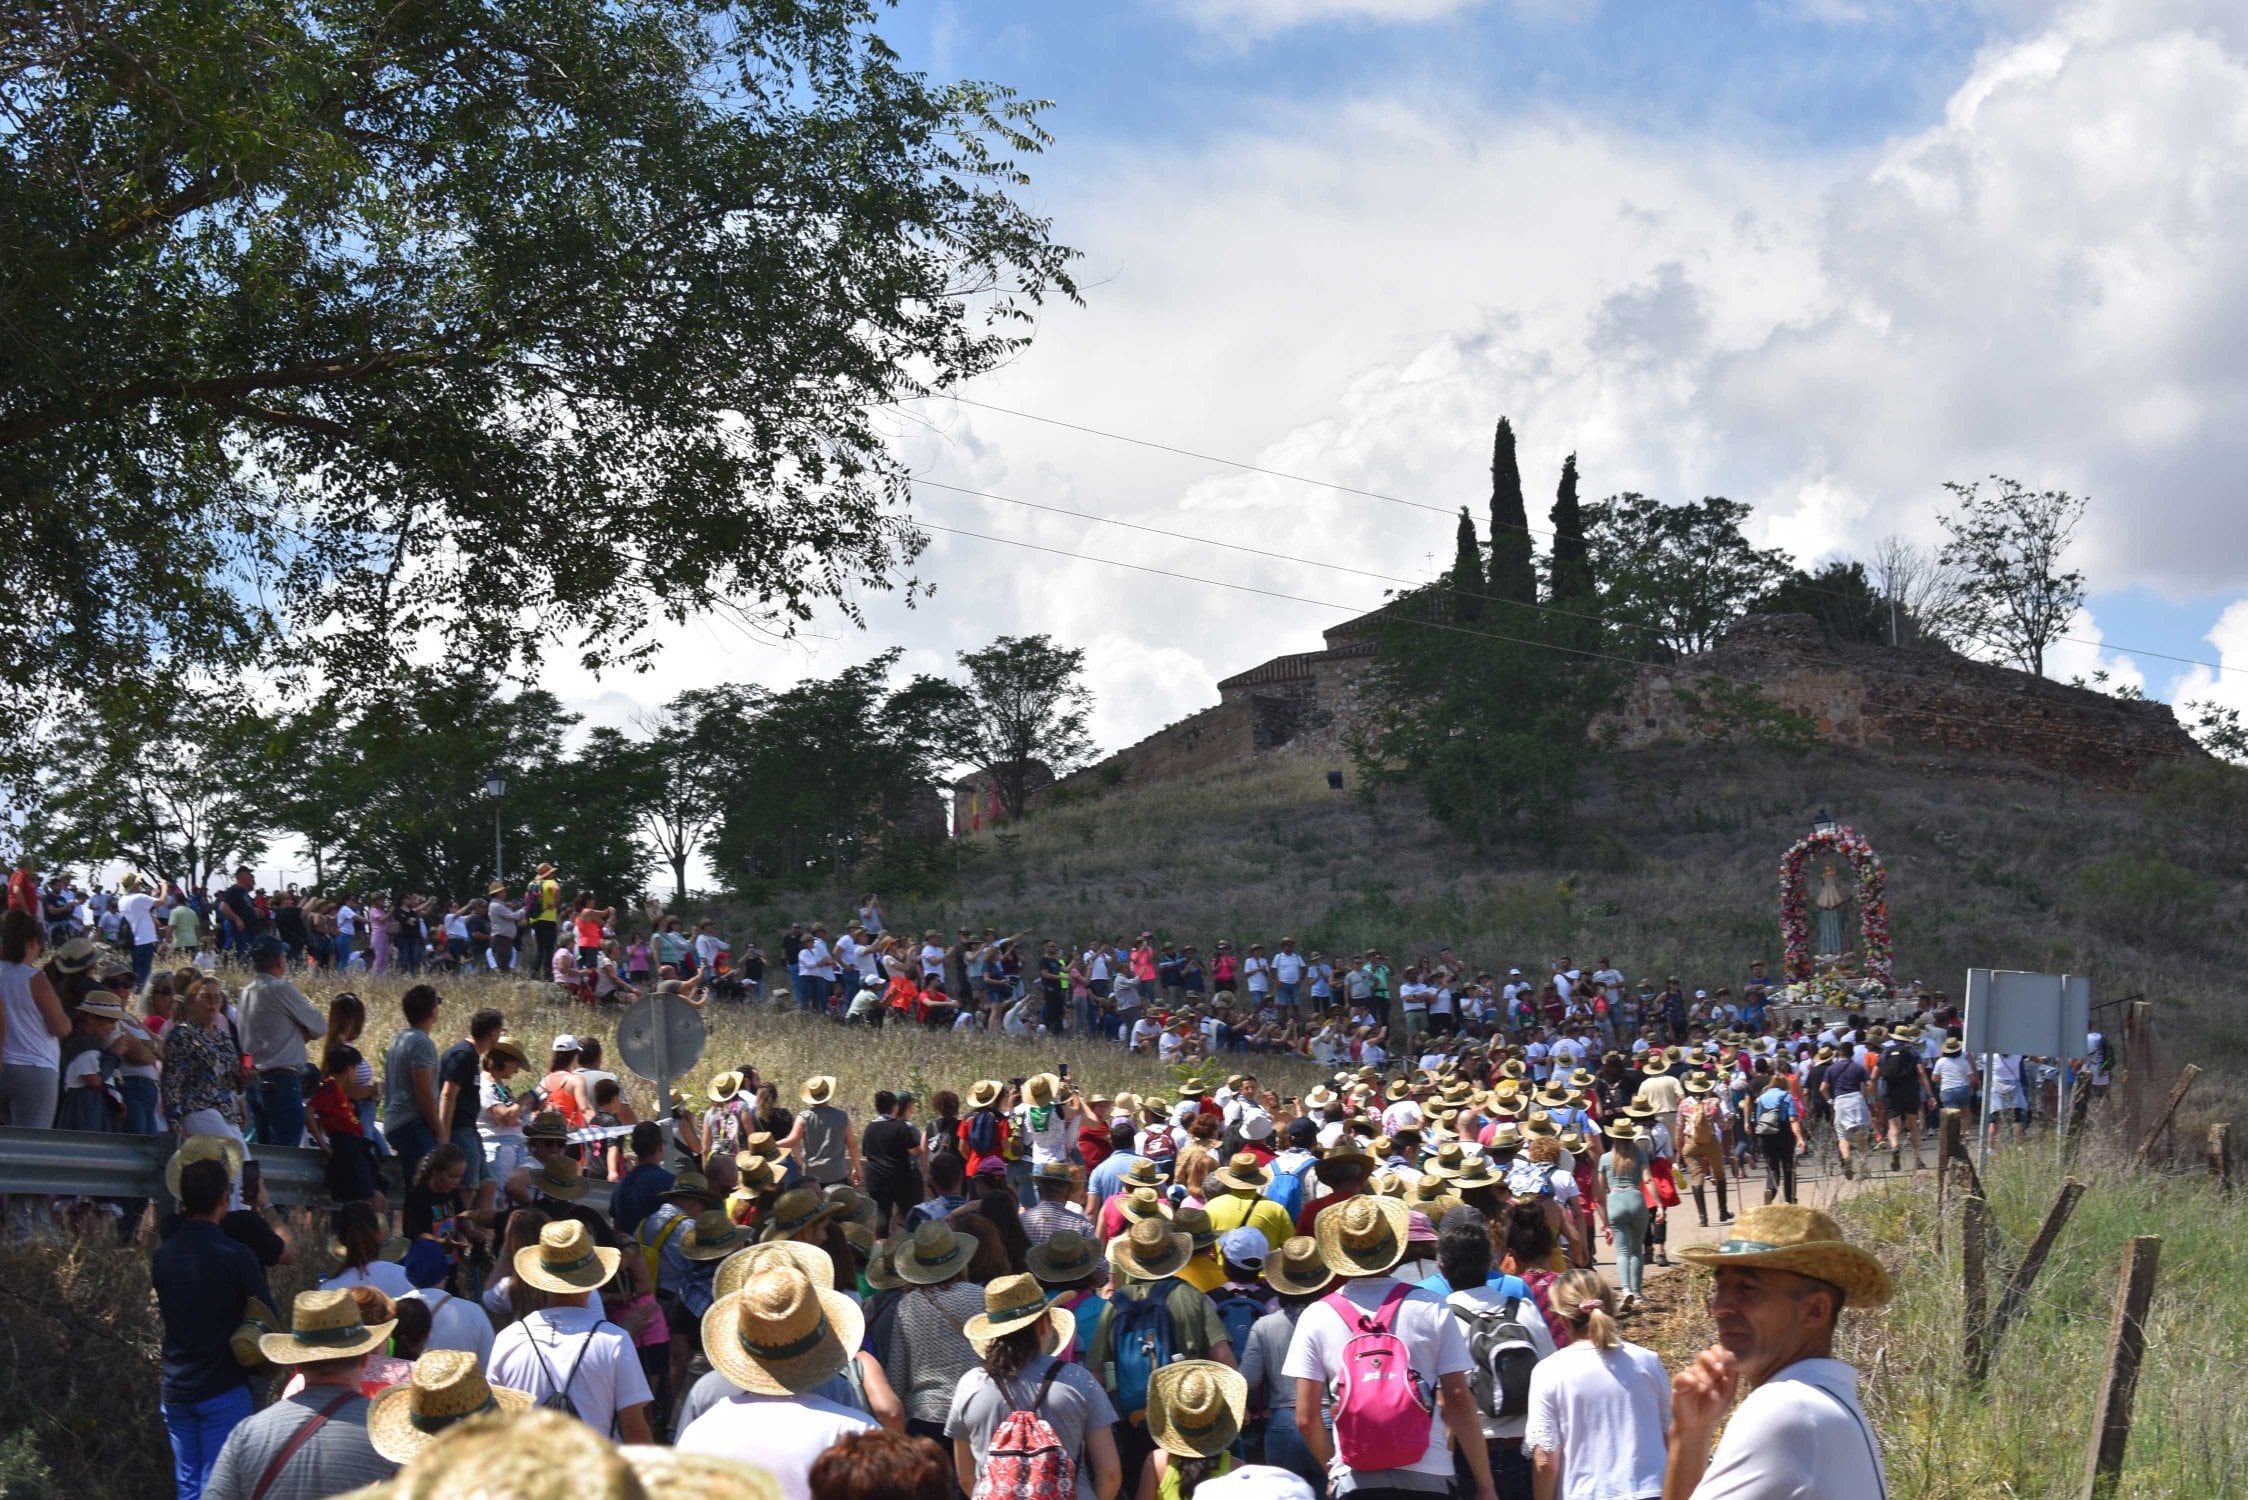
x=983 y=1132
x=1140 y=1342
x=1287 y=1189
x=1239 y=1312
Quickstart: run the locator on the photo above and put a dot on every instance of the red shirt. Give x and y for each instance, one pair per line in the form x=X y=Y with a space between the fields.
x=1309 y=1213
x=23 y=892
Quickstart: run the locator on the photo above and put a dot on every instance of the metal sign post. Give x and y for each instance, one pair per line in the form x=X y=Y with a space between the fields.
x=2023 y=1015
x=660 y=1036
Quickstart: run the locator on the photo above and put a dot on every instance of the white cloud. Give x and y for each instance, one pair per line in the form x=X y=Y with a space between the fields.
x=2229 y=688
x=1255 y=19
x=2084 y=654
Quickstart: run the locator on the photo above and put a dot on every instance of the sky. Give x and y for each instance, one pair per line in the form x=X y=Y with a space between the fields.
x=1820 y=256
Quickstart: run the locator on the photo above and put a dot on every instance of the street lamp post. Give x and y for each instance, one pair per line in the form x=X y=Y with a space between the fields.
x=495 y=787
x=1825 y=827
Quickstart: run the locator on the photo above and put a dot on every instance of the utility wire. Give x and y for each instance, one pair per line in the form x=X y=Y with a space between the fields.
x=1235 y=463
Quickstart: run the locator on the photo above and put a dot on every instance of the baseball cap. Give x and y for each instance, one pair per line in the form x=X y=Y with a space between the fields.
x=567 y=1043
x=1244 y=1247
x=1256 y=1127
x=1302 y=1132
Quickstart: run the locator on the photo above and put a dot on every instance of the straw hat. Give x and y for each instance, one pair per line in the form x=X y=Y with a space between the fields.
x=1362 y=1236
x=324 y=1325
x=540 y=1455
x=1150 y=1250
x=496 y=888
x=780 y=1335
x=724 y=1087
x=543 y=871
x=1243 y=1174
x=737 y=1268
x=760 y=1143
x=1318 y=1099
x=561 y=1178
x=1065 y=1256
x=447 y=1387
x=1347 y=1147
x=1540 y=1124
x=1195 y=1408
x=1699 y=1084
x=1040 y=1089
x=1506 y=1137
x=1145 y=1203
x=509 y=1047
x=795 y=1211
x=1573 y=1142
x=713 y=1236
x=934 y=1254
x=393 y=1249
x=1622 y=1130
x=1478 y=1171
x=668 y=1474
x=1953 y=1047
x=566 y=1260
x=1659 y=1063
x=1432 y=1196
x=1195 y=1224
x=757 y=1172
x=1143 y=1173
x=853 y=1206
x=204 y=1148
x=130 y=881
x=547 y=1125
x=1055 y=1171
x=984 y=1093
x=1013 y=1303
x=105 y=1008
x=1295 y=1269
x=692 y=1184
x=258 y=1320
x=1450 y=1161
x=818 y=1090
x=1791 y=1237
x=881 y=1270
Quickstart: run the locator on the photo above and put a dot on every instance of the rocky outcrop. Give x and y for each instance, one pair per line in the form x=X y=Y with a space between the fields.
x=1907 y=697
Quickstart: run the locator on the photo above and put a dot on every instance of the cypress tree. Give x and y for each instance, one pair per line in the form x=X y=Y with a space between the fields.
x=1465 y=602
x=1513 y=574
x=1569 y=577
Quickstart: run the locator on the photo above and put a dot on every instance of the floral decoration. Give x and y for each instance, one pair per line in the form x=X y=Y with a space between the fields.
x=1878 y=961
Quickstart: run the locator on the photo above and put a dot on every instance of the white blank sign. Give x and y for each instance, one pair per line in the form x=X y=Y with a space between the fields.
x=2039 y=1015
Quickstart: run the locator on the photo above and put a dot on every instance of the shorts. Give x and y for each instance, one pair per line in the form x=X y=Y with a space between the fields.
x=502 y=1155
x=1416 y=1022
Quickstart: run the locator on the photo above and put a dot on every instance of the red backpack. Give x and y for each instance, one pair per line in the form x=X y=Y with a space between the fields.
x=1025 y=1459
x=1381 y=1421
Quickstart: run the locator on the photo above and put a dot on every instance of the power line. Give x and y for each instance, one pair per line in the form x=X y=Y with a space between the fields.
x=1246 y=588
x=1345 y=489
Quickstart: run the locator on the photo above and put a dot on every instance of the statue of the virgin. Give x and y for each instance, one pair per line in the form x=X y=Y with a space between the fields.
x=1829 y=902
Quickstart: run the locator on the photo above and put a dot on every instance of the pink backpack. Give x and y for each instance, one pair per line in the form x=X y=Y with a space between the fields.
x=1381 y=1422
x=1025 y=1459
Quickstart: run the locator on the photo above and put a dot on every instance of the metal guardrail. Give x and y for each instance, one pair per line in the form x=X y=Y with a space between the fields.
x=76 y=1163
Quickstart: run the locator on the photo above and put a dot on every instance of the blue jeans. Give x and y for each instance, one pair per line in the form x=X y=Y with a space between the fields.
x=411 y=1142
x=811 y=992
x=140 y=1105
x=144 y=959
x=472 y=1147
x=1959 y=1096
x=1288 y=994
x=198 y=1431
x=277 y=1107
x=1284 y=1448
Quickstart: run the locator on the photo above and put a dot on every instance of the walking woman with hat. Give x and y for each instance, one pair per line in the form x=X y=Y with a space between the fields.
x=1195 y=1413
x=1599 y=1406
x=929 y=1353
x=1623 y=1208
x=1781 y=1284
x=1023 y=1337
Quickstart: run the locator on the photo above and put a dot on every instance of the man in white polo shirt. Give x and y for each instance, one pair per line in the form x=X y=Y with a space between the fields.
x=1782 y=1282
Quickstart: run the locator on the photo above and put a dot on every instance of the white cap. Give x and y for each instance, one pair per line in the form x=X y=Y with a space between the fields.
x=1510 y=971
x=566 y=1043
x=1701 y=994
x=1255 y=1127
x=1256 y=1482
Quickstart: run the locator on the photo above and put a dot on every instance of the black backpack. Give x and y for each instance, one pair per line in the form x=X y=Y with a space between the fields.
x=1899 y=1066
x=1500 y=1357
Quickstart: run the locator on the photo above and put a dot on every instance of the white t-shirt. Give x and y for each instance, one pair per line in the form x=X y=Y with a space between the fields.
x=1051 y=1144
x=932 y=961
x=2006 y=1081
x=1435 y=1348
x=1170 y=1047
x=347 y=921
x=1533 y=1328
x=1798 y=1434
x=456 y=1323
x=1256 y=973
x=386 y=1277
x=1288 y=967
x=137 y=1029
x=606 y=1377
x=490 y=1091
x=139 y=912
x=1954 y=1072
x=784 y=1435
x=1606 y=1413
x=1371 y=1055
x=1145 y=1030
x=1413 y=996
x=1611 y=982
x=1403 y=1115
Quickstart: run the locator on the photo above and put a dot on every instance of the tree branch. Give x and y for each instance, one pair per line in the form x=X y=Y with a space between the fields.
x=218 y=390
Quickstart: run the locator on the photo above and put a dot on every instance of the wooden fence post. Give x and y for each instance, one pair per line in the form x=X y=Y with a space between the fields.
x=1966 y=1160
x=1974 y=1245
x=1947 y=1142
x=2079 y=1103
x=2138 y=1062
x=2220 y=1157
x=2025 y=1275
x=2127 y=1343
x=2169 y=1109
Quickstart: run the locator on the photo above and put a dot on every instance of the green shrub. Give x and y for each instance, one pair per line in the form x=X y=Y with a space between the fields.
x=2146 y=893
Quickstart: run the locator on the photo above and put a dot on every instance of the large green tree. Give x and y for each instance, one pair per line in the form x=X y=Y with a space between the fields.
x=1514 y=572
x=332 y=324
x=2007 y=545
x=1465 y=581
x=1839 y=596
x=1673 y=578
x=1027 y=701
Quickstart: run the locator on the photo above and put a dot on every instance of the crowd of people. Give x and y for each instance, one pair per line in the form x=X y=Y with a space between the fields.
x=1390 y=1283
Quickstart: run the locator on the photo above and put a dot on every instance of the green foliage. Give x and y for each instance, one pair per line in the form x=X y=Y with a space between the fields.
x=2219 y=729
x=2202 y=807
x=332 y=325
x=1514 y=573
x=1674 y=578
x=1728 y=711
x=2149 y=894
x=1839 y=596
x=1569 y=572
x=1026 y=701
x=2016 y=599
x=1466 y=578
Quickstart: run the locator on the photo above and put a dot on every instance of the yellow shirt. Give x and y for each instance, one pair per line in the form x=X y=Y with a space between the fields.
x=1229 y=1211
x=1203 y=1273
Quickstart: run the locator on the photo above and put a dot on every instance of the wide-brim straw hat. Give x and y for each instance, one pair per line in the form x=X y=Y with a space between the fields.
x=542 y=872
x=1480 y=1172
x=1296 y=1269
x=853 y=1206
x=195 y=1148
x=1448 y=1162
x=1656 y=1064
x=324 y=1325
x=496 y=888
x=547 y=1125
x=881 y=1270
x=737 y=1268
x=560 y=1177
x=1055 y=1171
x=1953 y=1046
x=668 y=1474
x=1243 y=1174
x=103 y=1007
x=1792 y=1237
x=1319 y=1098
x=818 y=1090
x=795 y=1211
x=724 y=1087
x=1195 y=1224
x=1013 y=1303
x=1348 y=1147
x=984 y=1093
x=1143 y=1173
x=393 y=1249
x=1641 y=1110
x=1507 y=1137
x=780 y=1335
x=1150 y=1250
x=1195 y=1408
x=1065 y=1256
x=1362 y=1236
x=691 y=1184
x=447 y=1388
x=566 y=1260
x=1698 y=1084
x=713 y=1236
x=1041 y=1089
x=760 y=1143
x=934 y=1254
x=509 y=1047
x=1622 y=1130
x=1144 y=1203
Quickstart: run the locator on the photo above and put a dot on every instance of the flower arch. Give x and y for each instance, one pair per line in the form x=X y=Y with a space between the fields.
x=1873 y=905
